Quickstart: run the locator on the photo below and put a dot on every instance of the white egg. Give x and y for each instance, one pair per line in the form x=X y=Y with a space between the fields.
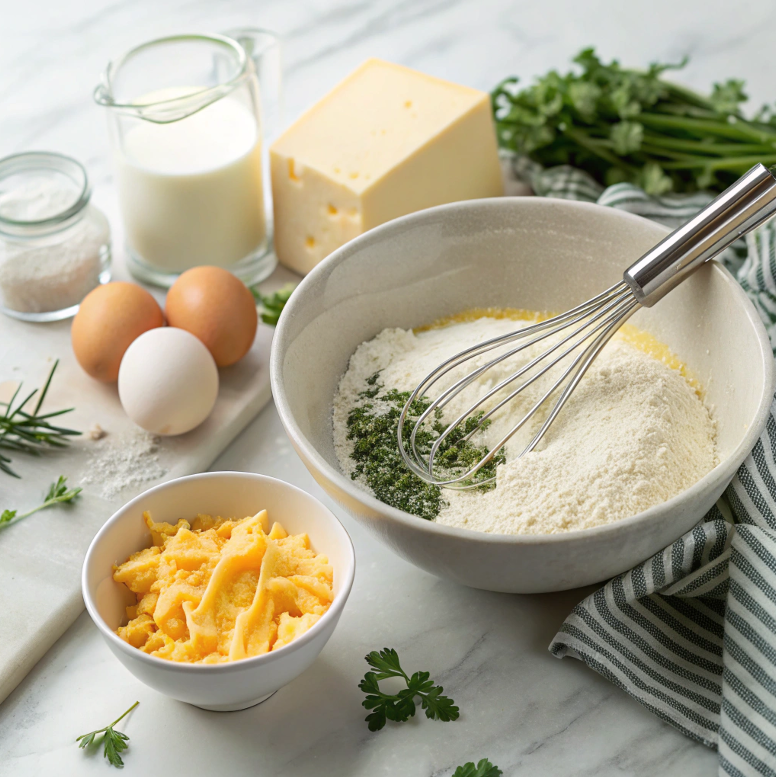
x=168 y=381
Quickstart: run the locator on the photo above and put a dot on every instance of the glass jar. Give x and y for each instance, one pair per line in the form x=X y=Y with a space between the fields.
x=54 y=245
x=185 y=128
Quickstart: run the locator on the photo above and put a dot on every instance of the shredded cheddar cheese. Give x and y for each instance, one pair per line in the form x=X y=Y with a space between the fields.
x=217 y=590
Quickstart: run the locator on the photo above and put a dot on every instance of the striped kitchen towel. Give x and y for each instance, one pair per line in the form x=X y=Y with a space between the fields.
x=691 y=632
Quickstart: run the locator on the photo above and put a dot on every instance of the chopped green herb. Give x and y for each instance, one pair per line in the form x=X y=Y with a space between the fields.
x=58 y=493
x=114 y=742
x=483 y=769
x=373 y=426
x=400 y=706
x=629 y=125
x=273 y=304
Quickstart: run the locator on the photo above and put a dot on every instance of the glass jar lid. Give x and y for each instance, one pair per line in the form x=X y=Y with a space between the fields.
x=40 y=192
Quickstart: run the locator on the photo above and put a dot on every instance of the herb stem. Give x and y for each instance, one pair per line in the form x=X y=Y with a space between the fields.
x=706 y=147
x=598 y=147
x=725 y=163
x=121 y=717
x=738 y=130
x=57 y=493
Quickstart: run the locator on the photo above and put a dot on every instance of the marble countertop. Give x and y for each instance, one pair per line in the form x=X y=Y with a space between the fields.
x=525 y=710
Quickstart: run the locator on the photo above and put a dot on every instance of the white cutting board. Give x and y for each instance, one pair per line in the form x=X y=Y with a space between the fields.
x=41 y=556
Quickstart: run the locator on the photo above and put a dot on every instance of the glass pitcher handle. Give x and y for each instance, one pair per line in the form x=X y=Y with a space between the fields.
x=263 y=47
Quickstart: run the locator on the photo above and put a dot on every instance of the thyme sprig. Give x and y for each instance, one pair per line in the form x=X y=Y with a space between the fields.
x=23 y=431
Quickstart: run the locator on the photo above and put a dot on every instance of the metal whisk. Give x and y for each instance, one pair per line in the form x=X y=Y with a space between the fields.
x=578 y=336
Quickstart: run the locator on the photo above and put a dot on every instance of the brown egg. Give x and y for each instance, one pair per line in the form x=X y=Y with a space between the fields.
x=110 y=318
x=216 y=307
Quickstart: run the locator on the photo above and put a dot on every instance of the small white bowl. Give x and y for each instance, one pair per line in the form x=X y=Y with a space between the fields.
x=239 y=684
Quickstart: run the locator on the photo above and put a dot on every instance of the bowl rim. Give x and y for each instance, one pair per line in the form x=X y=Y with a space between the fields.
x=723 y=471
x=334 y=611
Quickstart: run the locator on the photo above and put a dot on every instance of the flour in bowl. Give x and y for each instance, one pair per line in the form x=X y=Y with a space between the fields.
x=634 y=433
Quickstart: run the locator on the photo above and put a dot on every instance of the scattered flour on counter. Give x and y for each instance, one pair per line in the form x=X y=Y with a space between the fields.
x=633 y=435
x=123 y=461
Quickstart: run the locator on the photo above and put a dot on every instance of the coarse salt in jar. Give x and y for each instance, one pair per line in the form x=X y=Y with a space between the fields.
x=54 y=245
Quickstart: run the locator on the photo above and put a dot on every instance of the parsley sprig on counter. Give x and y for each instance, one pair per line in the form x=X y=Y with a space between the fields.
x=114 y=742
x=484 y=768
x=373 y=425
x=58 y=493
x=619 y=125
x=400 y=706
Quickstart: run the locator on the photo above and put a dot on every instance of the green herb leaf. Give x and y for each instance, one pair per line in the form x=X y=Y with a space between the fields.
x=30 y=432
x=626 y=137
x=653 y=180
x=584 y=96
x=373 y=425
x=114 y=742
x=728 y=97
x=58 y=493
x=273 y=304
x=386 y=661
x=483 y=769
x=400 y=707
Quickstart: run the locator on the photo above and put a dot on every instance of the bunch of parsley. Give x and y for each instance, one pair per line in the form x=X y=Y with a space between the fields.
x=628 y=125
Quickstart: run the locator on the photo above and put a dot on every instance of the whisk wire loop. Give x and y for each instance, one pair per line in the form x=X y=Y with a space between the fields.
x=526 y=368
x=592 y=325
x=581 y=313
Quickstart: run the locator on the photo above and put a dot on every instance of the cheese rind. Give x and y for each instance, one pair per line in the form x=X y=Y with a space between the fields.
x=385 y=142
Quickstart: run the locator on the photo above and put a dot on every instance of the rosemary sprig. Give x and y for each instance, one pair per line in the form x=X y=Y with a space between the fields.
x=58 y=493
x=30 y=432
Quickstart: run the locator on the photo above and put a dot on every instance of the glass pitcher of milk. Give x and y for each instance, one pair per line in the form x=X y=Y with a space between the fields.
x=185 y=121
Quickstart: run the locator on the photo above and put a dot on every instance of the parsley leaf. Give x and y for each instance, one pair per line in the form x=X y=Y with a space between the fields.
x=483 y=769
x=58 y=493
x=114 y=742
x=273 y=304
x=400 y=707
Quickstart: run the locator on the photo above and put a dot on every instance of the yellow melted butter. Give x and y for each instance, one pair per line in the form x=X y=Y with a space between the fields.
x=629 y=333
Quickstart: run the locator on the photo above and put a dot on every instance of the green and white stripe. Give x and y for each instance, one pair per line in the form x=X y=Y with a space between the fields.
x=691 y=632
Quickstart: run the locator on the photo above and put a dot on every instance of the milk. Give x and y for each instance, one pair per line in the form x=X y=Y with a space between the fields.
x=191 y=191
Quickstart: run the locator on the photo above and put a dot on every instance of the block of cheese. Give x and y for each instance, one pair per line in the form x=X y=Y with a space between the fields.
x=385 y=142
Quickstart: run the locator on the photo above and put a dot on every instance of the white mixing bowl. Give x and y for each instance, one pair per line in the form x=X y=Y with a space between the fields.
x=531 y=253
x=237 y=684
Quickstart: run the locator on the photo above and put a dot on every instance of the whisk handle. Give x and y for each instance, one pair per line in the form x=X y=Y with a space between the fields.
x=744 y=205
